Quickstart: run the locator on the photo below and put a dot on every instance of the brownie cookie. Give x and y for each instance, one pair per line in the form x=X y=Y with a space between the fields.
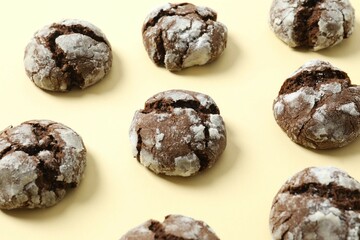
x=178 y=133
x=317 y=203
x=312 y=24
x=174 y=227
x=67 y=54
x=182 y=35
x=318 y=107
x=39 y=161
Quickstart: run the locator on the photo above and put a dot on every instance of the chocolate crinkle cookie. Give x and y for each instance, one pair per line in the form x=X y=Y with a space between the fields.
x=313 y=24
x=318 y=107
x=174 y=227
x=40 y=161
x=318 y=203
x=178 y=133
x=67 y=54
x=182 y=35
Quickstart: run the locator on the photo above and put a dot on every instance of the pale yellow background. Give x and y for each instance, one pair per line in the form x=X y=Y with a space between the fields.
x=117 y=193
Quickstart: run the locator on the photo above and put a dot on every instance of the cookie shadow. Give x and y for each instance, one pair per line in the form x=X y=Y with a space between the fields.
x=224 y=165
x=107 y=84
x=223 y=63
x=349 y=151
x=347 y=47
x=73 y=197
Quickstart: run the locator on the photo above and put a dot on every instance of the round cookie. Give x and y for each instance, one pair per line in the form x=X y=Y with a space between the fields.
x=318 y=107
x=67 y=54
x=182 y=35
x=174 y=227
x=317 y=203
x=178 y=133
x=40 y=161
x=312 y=24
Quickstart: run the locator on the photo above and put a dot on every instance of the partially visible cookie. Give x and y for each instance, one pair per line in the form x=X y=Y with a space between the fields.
x=318 y=203
x=178 y=133
x=182 y=35
x=174 y=227
x=40 y=161
x=318 y=107
x=67 y=54
x=312 y=24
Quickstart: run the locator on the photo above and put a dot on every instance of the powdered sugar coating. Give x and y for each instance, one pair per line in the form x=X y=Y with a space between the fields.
x=281 y=20
x=322 y=110
x=349 y=108
x=68 y=53
x=73 y=164
x=158 y=138
x=141 y=232
x=71 y=22
x=173 y=227
x=186 y=165
x=176 y=96
x=205 y=100
x=317 y=203
x=216 y=127
x=329 y=22
x=188 y=140
x=39 y=161
x=189 y=228
x=133 y=136
x=12 y=185
x=156 y=11
x=182 y=35
x=198 y=132
x=314 y=65
x=326 y=175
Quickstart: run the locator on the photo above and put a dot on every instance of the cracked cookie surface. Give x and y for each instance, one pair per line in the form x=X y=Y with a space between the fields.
x=312 y=24
x=178 y=133
x=318 y=107
x=174 y=227
x=317 y=203
x=39 y=161
x=182 y=35
x=68 y=54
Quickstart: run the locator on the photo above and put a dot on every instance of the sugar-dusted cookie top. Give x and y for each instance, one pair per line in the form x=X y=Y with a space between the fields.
x=318 y=107
x=40 y=161
x=174 y=227
x=178 y=133
x=317 y=203
x=312 y=24
x=182 y=35
x=67 y=54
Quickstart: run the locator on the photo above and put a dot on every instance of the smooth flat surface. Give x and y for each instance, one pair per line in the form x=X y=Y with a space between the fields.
x=117 y=193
